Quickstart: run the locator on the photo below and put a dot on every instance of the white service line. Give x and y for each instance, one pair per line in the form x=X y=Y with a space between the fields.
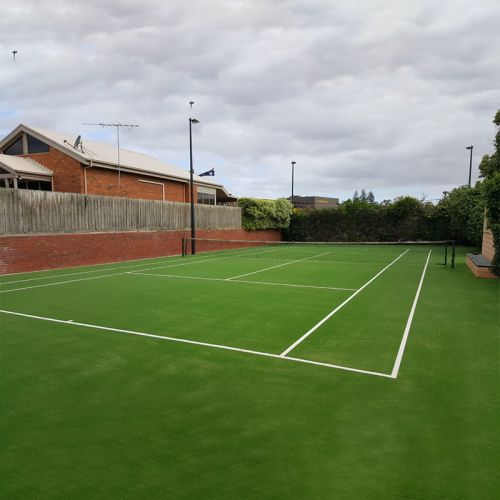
x=239 y=281
x=402 y=346
x=205 y=344
x=108 y=275
x=93 y=271
x=280 y=265
x=326 y=318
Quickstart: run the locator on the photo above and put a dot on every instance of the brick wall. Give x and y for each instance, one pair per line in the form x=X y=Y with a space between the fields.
x=68 y=172
x=70 y=176
x=105 y=182
x=49 y=251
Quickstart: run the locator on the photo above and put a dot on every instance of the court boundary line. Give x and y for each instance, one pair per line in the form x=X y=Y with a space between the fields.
x=328 y=316
x=162 y=265
x=103 y=276
x=195 y=342
x=402 y=346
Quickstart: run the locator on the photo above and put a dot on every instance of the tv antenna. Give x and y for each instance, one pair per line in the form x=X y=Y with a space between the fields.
x=117 y=125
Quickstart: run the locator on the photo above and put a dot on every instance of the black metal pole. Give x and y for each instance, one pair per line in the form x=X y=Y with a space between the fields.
x=193 y=249
x=291 y=222
x=470 y=166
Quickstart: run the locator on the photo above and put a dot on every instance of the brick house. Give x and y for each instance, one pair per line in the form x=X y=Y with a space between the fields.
x=34 y=158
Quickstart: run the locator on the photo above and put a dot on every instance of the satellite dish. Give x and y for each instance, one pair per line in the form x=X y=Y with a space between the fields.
x=77 y=142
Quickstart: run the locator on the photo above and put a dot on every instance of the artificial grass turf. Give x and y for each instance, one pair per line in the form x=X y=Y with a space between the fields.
x=91 y=414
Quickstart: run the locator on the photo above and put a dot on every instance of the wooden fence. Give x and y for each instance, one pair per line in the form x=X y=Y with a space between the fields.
x=25 y=211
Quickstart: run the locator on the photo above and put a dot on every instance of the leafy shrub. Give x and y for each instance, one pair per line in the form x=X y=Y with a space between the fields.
x=265 y=214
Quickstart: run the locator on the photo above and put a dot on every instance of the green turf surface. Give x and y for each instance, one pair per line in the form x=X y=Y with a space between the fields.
x=91 y=413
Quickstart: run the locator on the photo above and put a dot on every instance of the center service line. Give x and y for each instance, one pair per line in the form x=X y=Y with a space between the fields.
x=274 y=267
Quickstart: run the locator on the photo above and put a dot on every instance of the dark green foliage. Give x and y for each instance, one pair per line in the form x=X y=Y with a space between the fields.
x=458 y=216
x=492 y=197
x=465 y=208
x=490 y=164
x=265 y=214
x=490 y=170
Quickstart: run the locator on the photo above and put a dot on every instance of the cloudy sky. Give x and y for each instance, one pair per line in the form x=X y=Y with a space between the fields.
x=381 y=95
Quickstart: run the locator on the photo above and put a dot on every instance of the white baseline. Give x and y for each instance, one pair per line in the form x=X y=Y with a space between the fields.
x=205 y=344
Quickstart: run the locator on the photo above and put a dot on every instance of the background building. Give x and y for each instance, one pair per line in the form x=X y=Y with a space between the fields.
x=314 y=202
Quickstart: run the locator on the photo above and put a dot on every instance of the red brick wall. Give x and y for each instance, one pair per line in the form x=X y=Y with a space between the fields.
x=70 y=176
x=105 y=182
x=68 y=172
x=45 y=251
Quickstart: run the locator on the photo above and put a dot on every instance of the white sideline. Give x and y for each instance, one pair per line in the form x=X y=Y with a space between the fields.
x=103 y=276
x=402 y=346
x=205 y=344
x=326 y=318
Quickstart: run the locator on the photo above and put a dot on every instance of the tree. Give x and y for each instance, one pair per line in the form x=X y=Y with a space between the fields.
x=490 y=170
x=465 y=206
x=408 y=217
x=371 y=197
x=363 y=195
x=490 y=164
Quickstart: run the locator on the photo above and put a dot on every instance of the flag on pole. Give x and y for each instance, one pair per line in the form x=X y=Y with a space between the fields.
x=208 y=173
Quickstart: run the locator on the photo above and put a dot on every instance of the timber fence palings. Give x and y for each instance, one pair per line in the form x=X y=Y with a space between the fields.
x=26 y=211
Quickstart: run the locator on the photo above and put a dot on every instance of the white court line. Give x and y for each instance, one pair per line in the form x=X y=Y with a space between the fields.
x=160 y=266
x=74 y=274
x=205 y=344
x=107 y=275
x=230 y=280
x=280 y=265
x=402 y=346
x=326 y=318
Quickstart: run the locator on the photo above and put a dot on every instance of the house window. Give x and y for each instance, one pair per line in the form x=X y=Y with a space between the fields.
x=15 y=149
x=37 y=146
x=34 y=146
x=206 y=198
x=35 y=185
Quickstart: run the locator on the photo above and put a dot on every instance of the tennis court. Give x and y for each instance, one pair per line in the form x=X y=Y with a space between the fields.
x=300 y=371
x=342 y=306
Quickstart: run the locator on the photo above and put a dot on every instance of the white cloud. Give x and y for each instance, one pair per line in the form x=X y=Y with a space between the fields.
x=376 y=95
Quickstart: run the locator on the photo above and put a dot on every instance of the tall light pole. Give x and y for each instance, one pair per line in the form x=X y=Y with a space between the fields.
x=470 y=167
x=291 y=221
x=191 y=121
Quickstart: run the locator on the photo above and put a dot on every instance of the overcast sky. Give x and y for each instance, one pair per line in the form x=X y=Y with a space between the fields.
x=381 y=95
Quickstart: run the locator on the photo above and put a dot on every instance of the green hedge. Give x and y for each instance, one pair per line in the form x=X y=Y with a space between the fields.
x=265 y=214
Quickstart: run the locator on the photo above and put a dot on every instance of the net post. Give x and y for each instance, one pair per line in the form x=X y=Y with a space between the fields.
x=445 y=253
x=453 y=255
x=183 y=248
